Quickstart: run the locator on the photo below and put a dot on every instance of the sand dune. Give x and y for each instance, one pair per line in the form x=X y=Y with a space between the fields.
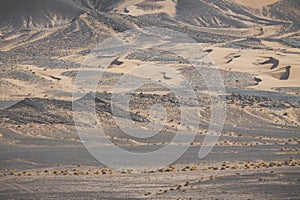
x=259 y=4
x=142 y=7
x=280 y=70
x=282 y=73
x=273 y=61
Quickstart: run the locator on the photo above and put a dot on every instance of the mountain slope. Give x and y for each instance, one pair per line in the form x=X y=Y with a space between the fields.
x=287 y=10
x=30 y=14
x=218 y=13
x=37 y=13
x=99 y=5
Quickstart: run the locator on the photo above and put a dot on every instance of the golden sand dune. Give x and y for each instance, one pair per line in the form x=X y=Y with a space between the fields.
x=141 y=7
x=256 y=3
x=274 y=69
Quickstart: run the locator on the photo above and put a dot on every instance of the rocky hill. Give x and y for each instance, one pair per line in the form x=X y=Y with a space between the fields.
x=29 y=14
x=286 y=10
x=37 y=13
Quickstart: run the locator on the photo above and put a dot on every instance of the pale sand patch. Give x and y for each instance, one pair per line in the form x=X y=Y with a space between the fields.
x=280 y=46
x=125 y=67
x=24 y=89
x=249 y=62
x=169 y=7
x=270 y=31
x=73 y=58
x=259 y=4
x=27 y=89
x=268 y=83
x=293 y=34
